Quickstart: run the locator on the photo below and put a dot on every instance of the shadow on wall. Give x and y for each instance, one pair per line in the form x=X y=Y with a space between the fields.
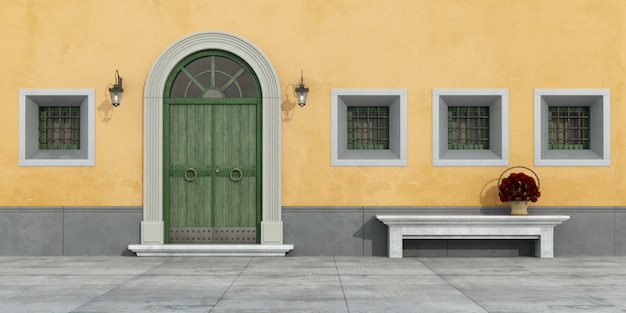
x=489 y=194
x=375 y=232
x=105 y=111
x=288 y=107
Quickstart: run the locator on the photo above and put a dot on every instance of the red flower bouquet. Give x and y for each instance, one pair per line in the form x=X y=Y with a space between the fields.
x=519 y=186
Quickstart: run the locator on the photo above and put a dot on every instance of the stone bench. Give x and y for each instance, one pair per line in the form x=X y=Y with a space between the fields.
x=539 y=227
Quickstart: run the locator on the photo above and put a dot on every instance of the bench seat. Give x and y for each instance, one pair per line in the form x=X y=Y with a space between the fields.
x=539 y=227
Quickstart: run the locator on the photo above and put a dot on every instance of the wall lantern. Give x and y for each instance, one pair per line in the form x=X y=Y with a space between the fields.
x=301 y=91
x=117 y=90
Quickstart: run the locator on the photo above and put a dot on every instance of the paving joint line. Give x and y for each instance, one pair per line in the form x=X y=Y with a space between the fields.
x=231 y=284
x=604 y=302
x=119 y=285
x=345 y=299
x=451 y=285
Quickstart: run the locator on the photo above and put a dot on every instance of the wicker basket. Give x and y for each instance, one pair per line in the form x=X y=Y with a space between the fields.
x=519 y=207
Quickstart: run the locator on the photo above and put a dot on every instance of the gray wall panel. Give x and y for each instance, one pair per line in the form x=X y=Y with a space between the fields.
x=374 y=236
x=55 y=231
x=590 y=231
x=424 y=248
x=101 y=231
x=31 y=231
x=349 y=231
x=620 y=231
x=490 y=248
x=323 y=231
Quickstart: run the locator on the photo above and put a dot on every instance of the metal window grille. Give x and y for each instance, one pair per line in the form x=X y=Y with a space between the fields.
x=59 y=128
x=368 y=128
x=569 y=128
x=468 y=128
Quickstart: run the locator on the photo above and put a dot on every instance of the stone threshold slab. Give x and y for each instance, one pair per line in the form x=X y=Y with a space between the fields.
x=247 y=250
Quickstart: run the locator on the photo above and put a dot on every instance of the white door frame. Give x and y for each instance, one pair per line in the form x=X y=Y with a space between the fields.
x=152 y=228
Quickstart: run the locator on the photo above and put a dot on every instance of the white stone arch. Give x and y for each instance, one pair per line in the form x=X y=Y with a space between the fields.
x=152 y=231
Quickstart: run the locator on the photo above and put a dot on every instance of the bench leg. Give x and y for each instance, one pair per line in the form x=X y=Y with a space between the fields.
x=544 y=247
x=395 y=242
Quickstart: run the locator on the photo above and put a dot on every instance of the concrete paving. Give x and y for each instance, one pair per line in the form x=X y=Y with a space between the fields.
x=311 y=284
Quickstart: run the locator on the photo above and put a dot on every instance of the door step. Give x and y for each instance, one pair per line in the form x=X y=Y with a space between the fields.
x=211 y=250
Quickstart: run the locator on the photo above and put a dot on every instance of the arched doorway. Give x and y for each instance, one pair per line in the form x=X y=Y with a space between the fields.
x=152 y=226
x=212 y=146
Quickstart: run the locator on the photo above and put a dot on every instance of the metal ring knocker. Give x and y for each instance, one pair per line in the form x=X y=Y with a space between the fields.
x=190 y=178
x=233 y=177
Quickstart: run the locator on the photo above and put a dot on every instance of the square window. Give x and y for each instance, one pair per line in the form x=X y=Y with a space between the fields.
x=59 y=128
x=56 y=127
x=572 y=127
x=470 y=127
x=568 y=128
x=368 y=127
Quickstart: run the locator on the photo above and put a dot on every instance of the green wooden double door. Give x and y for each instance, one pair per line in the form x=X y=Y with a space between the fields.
x=212 y=151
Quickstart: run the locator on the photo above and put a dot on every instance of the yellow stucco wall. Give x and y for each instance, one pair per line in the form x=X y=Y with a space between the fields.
x=413 y=44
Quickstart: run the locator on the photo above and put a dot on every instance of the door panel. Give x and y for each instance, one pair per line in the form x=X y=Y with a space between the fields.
x=190 y=147
x=187 y=202
x=235 y=201
x=212 y=173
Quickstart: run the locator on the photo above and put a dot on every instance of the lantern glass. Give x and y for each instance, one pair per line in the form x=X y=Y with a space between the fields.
x=302 y=92
x=116 y=95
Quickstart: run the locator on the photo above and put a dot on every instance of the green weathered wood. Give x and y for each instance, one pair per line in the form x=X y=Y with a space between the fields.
x=190 y=143
x=235 y=201
x=187 y=202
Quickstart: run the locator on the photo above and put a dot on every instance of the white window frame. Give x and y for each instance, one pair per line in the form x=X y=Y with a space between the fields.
x=395 y=99
x=29 y=102
x=498 y=102
x=598 y=101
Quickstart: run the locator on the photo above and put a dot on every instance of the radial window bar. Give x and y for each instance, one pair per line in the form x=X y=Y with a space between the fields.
x=368 y=127
x=59 y=128
x=213 y=76
x=569 y=128
x=468 y=128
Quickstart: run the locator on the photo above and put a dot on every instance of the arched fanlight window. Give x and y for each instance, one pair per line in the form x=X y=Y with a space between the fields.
x=213 y=74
